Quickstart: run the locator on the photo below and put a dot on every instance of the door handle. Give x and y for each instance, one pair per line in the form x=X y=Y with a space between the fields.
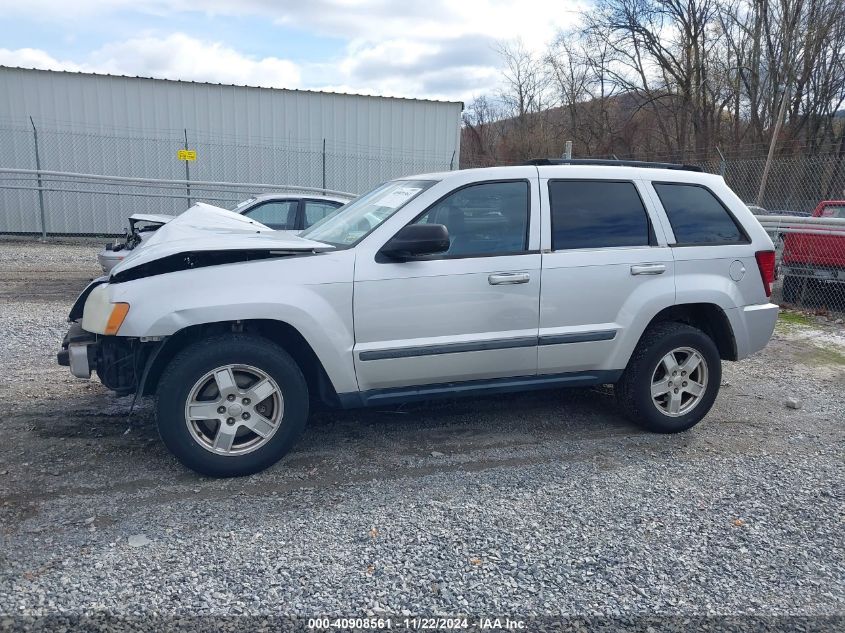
x=648 y=269
x=500 y=279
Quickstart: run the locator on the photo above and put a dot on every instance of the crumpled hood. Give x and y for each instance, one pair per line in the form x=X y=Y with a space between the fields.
x=150 y=218
x=205 y=228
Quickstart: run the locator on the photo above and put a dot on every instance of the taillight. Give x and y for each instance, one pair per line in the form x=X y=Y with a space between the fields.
x=766 y=264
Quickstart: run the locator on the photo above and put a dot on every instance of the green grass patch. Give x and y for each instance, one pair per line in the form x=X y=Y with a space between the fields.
x=787 y=317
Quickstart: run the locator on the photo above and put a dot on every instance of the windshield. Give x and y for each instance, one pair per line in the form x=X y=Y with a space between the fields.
x=357 y=219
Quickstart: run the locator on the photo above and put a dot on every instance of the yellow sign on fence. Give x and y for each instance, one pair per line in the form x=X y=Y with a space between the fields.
x=187 y=154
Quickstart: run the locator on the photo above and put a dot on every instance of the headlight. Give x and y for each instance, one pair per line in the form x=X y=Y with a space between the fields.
x=100 y=315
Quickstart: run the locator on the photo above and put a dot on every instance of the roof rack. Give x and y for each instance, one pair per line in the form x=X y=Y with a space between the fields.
x=611 y=162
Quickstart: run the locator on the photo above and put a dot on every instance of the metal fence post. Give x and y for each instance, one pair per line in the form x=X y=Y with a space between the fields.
x=38 y=177
x=324 y=166
x=722 y=162
x=187 y=172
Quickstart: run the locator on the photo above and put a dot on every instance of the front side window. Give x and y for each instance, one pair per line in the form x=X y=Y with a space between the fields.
x=597 y=214
x=489 y=218
x=360 y=217
x=696 y=215
x=279 y=214
x=316 y=210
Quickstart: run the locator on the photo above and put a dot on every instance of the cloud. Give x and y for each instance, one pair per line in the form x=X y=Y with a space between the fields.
x=176 y=56
x=417 y=48
x=183 y=57
x=406 y=56
x=533 y=20
x=34 y=58
x=449 y=69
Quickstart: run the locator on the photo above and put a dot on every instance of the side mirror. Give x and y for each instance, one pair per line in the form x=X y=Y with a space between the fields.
x=416 y=240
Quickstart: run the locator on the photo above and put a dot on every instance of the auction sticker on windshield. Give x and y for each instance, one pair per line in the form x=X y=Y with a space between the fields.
x=398 y=197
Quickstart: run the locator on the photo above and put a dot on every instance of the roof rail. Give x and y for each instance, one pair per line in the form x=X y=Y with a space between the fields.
x=611 y=162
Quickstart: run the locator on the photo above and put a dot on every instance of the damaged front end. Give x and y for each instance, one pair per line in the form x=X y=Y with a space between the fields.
x=118 y=361
x=103 y=336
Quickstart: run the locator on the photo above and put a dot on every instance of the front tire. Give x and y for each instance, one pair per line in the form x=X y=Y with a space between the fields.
x=231 y=405
x=672 y=379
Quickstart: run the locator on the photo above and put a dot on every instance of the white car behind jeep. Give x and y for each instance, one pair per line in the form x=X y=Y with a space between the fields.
x=552 y=274
x=279 y=211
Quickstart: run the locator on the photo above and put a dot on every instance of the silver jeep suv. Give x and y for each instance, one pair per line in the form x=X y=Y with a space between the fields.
x=551 y=274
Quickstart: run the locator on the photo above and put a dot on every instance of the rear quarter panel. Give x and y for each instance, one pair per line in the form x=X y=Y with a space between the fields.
x=725 y=275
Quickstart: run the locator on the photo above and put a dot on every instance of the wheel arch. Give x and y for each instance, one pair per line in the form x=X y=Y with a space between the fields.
x=707 y=317
x=283 y=334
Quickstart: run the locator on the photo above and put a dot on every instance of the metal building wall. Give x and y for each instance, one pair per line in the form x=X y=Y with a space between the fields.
x=128 y=126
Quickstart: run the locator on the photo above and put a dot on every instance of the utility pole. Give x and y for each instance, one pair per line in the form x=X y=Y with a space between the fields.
x=772 y=145
x=40 y=185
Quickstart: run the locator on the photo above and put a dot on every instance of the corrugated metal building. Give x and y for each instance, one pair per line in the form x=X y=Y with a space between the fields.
x=132 y=126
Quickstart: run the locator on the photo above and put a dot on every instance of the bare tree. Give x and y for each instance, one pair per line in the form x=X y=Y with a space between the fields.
x=675 y=79
x=482 y=135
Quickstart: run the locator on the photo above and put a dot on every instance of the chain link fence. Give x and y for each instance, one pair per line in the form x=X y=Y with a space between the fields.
x=61 y=200
x=794 y=186
x=62 y=203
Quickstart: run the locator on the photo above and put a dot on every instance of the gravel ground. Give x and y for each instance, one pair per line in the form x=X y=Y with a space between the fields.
x=539 y=504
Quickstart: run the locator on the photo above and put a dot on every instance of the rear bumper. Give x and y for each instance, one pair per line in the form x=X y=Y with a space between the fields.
x=109 y=259
x=753 y=327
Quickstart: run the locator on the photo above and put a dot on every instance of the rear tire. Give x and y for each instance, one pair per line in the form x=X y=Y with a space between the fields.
x=231 y=405
x=672 y=379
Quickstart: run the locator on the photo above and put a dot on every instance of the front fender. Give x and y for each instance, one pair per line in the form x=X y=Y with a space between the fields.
x=317 y=303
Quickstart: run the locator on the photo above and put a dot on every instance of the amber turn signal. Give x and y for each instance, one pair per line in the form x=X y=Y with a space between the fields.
x=118 y=314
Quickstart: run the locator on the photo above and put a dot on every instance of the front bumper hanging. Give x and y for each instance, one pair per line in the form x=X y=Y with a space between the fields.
x=119 y=361
x=75 y=351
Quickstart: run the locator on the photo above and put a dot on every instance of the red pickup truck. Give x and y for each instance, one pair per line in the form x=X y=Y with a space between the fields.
x=817 y=256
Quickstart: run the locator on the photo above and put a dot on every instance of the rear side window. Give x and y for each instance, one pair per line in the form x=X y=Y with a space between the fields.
x=278 y=215
x=697 y=216
x=597 y=214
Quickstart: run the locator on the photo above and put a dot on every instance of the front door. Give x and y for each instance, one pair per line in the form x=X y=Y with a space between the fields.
x=470 y=314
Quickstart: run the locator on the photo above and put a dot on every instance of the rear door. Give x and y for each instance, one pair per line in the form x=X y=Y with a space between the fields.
x=606 y=265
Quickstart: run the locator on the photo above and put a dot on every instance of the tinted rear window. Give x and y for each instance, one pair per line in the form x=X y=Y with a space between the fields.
x=697 y=216
x=597 y=214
